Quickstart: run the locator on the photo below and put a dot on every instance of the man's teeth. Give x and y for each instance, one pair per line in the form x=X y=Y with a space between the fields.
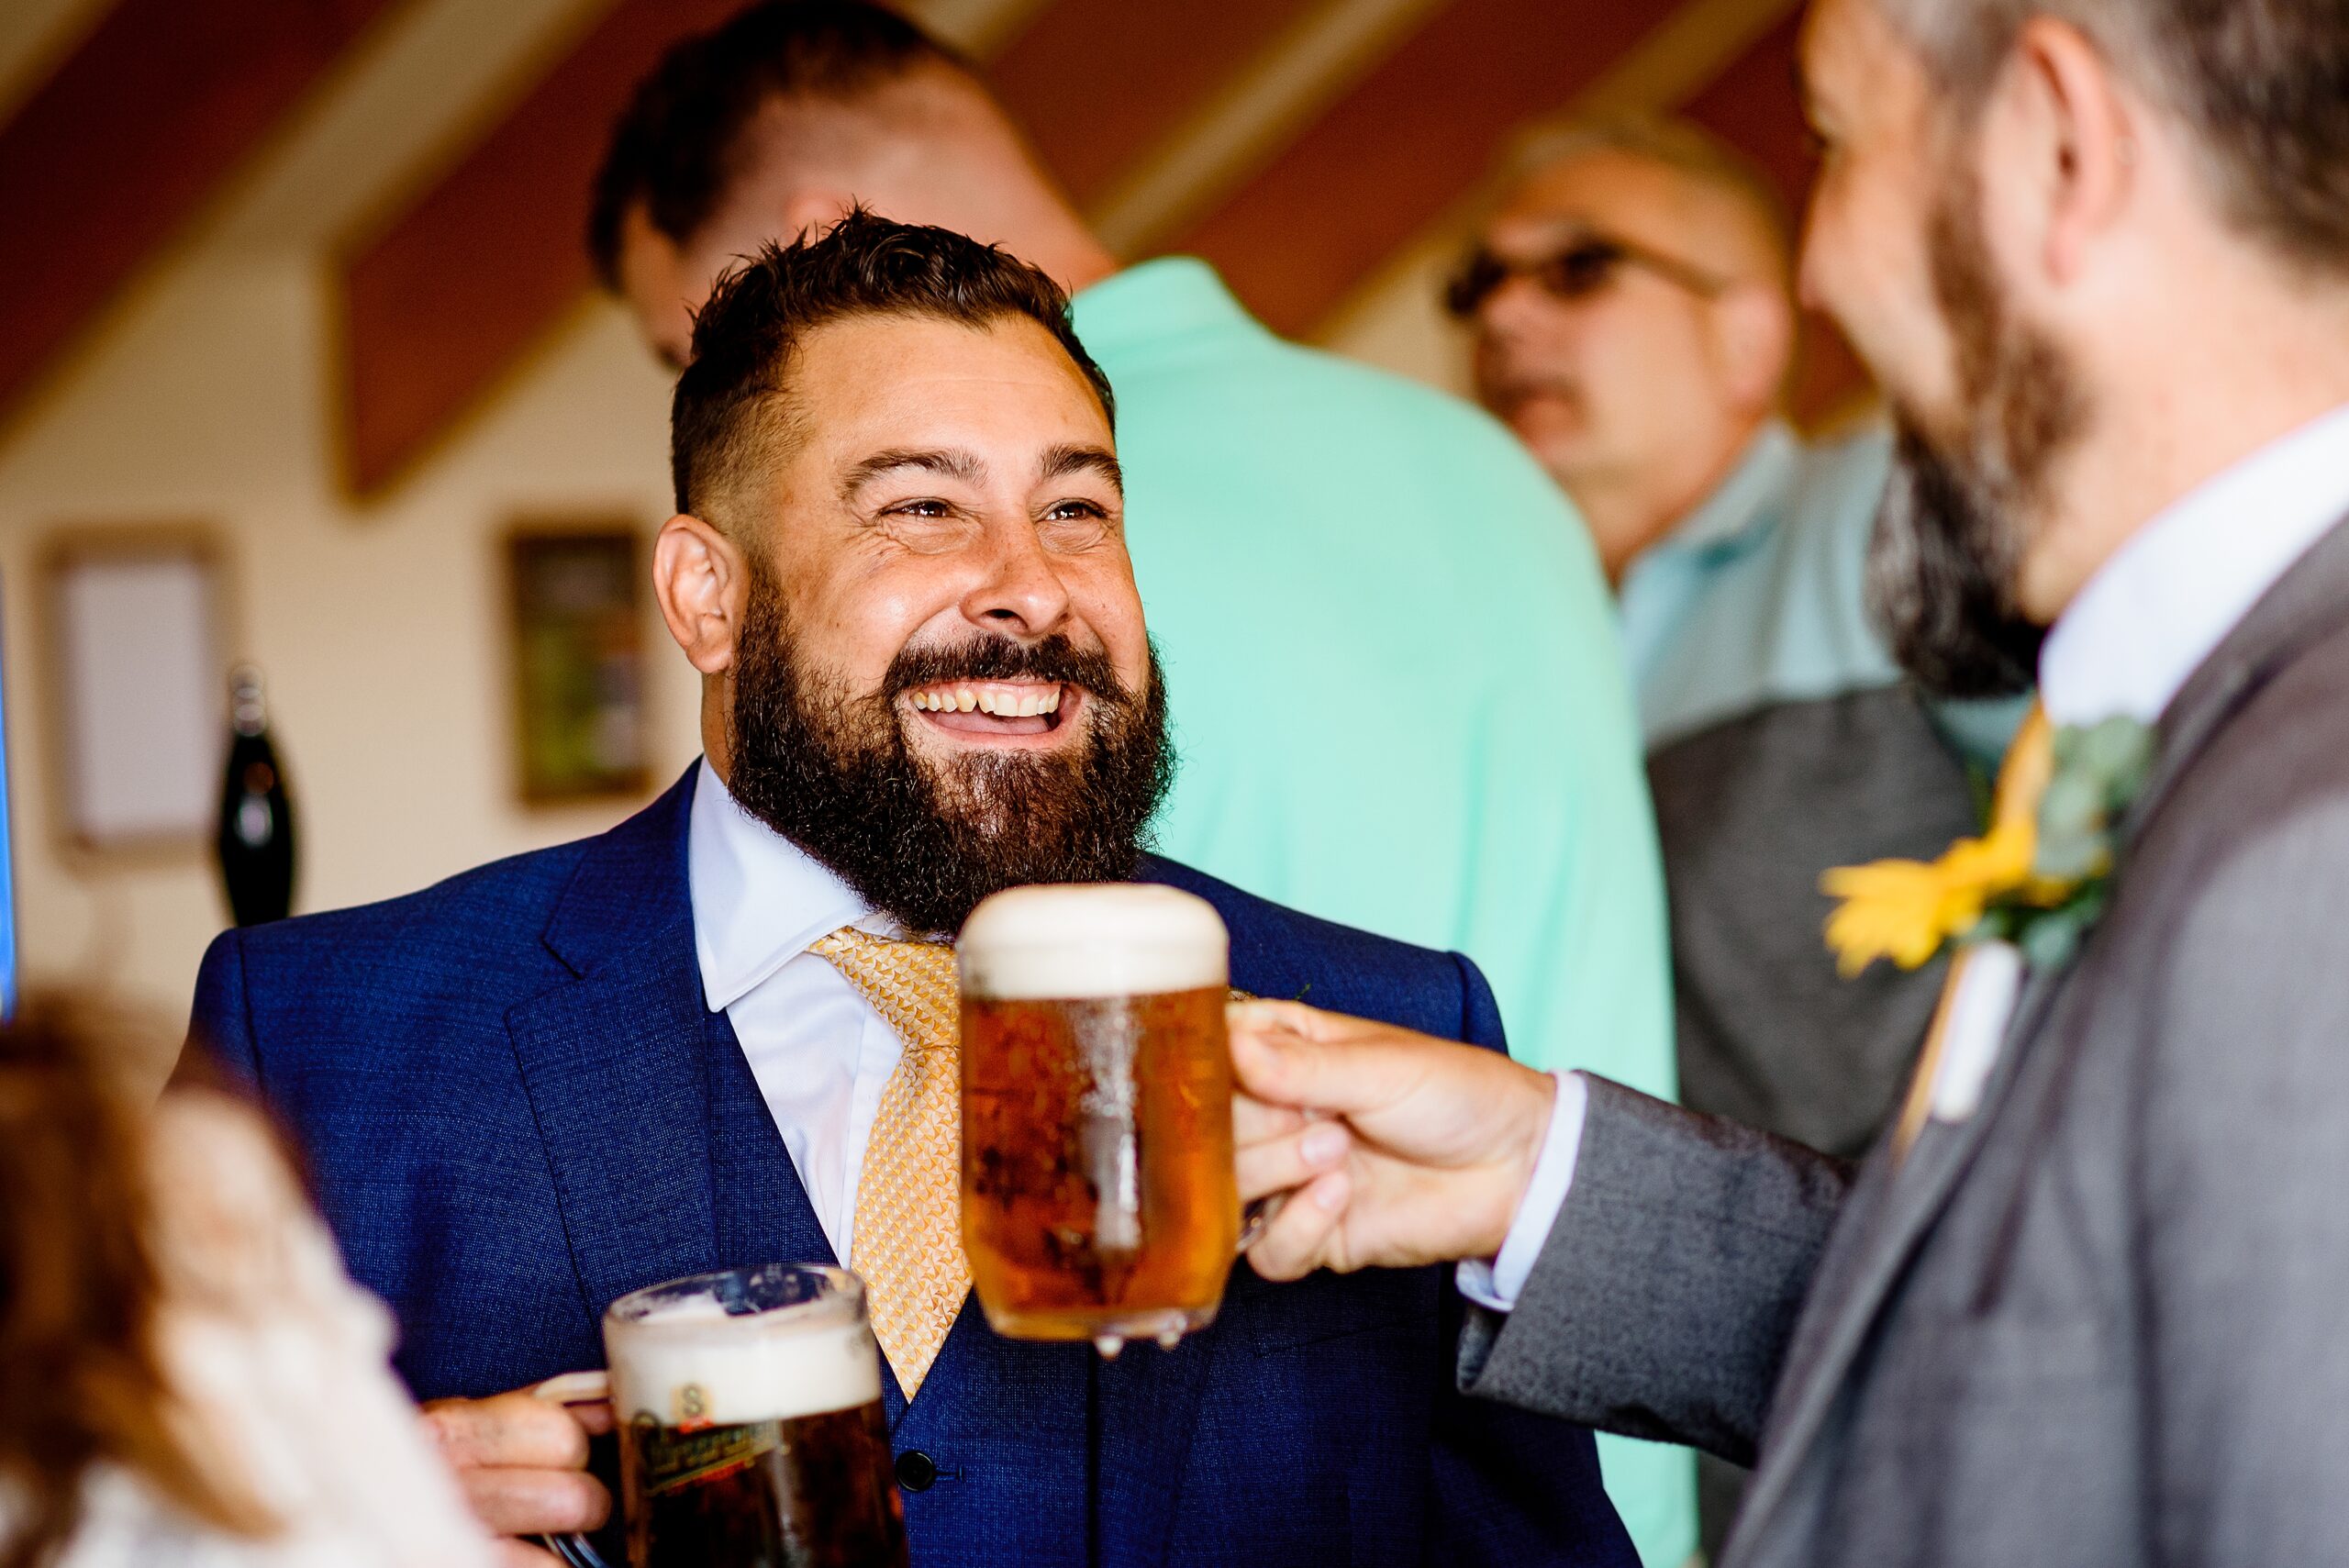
x=1025 y=702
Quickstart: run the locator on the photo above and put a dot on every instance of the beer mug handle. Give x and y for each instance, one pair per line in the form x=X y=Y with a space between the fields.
x=575 y=1388
x=1256 y=1215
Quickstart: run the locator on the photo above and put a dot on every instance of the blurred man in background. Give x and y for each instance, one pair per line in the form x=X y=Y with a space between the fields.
x=1635 y=325
x=1379 y=623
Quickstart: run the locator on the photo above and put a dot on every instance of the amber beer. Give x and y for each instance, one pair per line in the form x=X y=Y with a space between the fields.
x=750 y=1427
x=1098 y=1199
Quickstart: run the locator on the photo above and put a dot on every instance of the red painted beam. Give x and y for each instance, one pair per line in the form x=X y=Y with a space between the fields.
x=121 y=147
x=1098 y=83
x=469 y=278
x=1753 y=105
x=1391 y=155
x=464 y=280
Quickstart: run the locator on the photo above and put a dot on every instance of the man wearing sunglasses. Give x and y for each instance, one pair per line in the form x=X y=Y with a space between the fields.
x=1634 y=324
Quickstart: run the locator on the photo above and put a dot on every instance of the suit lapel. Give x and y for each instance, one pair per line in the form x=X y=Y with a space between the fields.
x=763 y=1212
x=1901 y=1207
x=639 y=1090
x=2309 y=600
x=613 y=1064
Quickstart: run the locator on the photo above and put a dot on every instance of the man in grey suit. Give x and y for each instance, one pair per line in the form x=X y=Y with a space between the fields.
x=2086 y=1304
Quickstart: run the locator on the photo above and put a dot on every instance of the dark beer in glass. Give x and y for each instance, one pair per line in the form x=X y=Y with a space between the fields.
x=1098 y=1198
x=750 y=1429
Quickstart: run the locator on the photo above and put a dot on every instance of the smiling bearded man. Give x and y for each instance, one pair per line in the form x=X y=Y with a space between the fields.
x=899 y=564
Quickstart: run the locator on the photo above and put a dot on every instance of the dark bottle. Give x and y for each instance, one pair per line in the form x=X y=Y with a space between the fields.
x=256 y=841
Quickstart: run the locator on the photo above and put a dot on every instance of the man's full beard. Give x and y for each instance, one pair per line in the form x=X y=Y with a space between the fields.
x=1946 y=563
x=834 y=772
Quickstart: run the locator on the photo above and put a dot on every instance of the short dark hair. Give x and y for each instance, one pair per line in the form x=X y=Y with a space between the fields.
x=2263 y=85
x=730 y=406
x=677 y=146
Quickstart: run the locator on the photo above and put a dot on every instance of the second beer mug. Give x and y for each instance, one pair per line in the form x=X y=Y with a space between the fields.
x=1098 y=1200
x=751 y=1433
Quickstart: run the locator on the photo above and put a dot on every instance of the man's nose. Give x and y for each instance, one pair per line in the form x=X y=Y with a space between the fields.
x=1020 y=593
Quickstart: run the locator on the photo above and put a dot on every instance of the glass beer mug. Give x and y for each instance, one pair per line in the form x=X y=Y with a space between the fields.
x=1098 y=1198
x=751 y=1434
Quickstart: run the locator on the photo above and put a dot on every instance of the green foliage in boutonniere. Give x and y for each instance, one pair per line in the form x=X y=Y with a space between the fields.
x=2038 y=875
x=2099 y=768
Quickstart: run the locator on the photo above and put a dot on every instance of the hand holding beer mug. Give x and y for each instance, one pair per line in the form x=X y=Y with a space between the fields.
x=750 y=1429
x=1098 y=1198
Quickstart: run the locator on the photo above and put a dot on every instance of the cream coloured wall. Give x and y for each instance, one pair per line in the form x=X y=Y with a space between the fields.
x=381 y=629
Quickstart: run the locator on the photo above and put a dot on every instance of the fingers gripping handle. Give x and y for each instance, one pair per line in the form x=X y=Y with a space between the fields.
x=575 y=1388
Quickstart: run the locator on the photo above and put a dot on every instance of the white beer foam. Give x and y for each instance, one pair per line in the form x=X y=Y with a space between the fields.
x=747 y=1369
x=1097 y=940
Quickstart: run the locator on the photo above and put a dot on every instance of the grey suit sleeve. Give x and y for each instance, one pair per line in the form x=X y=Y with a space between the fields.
x=2242 y=1169
x=1662 y=1304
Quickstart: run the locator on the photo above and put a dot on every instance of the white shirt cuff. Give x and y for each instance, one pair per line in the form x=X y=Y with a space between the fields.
x=1495 y=1285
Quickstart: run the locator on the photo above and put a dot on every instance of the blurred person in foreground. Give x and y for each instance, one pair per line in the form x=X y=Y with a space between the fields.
x=1632 y=301
x=1631 y=297
x=688 y=1044
x=1382 y=628
x=186 y=1375
x=2083 y=1303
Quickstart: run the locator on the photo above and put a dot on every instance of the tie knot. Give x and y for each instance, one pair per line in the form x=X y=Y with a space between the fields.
x=910 y=983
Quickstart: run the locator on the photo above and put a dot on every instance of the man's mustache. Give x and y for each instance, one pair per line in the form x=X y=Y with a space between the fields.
x=1055 y=659
x=1508 y=390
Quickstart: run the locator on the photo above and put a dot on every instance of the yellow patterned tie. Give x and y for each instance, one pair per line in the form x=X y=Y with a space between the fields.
x=909 y=1233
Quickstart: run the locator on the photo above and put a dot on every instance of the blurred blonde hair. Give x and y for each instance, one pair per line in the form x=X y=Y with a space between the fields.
x=81 y=1382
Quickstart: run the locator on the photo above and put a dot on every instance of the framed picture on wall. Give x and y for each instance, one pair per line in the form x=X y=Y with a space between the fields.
x=575 y=596
x=136 y=643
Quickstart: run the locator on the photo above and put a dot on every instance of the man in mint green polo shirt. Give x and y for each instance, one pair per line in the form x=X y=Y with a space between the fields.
x=1392 y=663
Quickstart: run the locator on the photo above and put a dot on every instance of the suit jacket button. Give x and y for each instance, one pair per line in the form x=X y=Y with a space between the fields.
x=916 y=1470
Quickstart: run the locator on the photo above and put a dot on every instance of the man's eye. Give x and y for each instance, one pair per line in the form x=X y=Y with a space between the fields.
x=1066 y=509
x=920 y=509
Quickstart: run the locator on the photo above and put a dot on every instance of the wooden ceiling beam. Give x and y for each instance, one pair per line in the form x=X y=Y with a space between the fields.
x=1389 y=157
x=460 y=285
x=127 y=141
x=439 y=308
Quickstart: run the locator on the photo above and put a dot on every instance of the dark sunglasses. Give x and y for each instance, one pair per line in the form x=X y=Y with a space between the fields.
x=1577 y=271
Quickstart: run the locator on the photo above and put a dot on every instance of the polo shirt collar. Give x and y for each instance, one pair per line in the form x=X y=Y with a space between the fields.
x=1172 y=298
x=1748 y=499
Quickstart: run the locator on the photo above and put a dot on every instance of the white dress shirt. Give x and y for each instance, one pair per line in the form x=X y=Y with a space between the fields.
x=819 y=1052
x=2124 y=646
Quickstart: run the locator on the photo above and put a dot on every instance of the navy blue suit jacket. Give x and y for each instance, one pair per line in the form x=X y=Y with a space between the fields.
x=517 y=1107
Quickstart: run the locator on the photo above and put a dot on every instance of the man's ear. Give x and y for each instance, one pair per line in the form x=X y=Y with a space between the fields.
x=1753 y=340
x=703 y=584
x=2068 y=141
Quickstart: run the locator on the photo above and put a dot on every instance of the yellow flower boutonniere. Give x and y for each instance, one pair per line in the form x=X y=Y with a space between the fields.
x=2035 y=877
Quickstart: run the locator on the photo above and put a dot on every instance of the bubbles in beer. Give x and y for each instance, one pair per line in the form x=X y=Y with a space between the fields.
x=1098 y=1200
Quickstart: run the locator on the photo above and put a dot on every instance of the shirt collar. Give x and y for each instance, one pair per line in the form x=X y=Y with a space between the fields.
x=759 y=899
x=1169 y=298
x=1747 y=498
x=2170 y=594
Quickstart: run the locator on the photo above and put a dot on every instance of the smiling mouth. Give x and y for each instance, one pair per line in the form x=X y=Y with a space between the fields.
x=998 y=710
